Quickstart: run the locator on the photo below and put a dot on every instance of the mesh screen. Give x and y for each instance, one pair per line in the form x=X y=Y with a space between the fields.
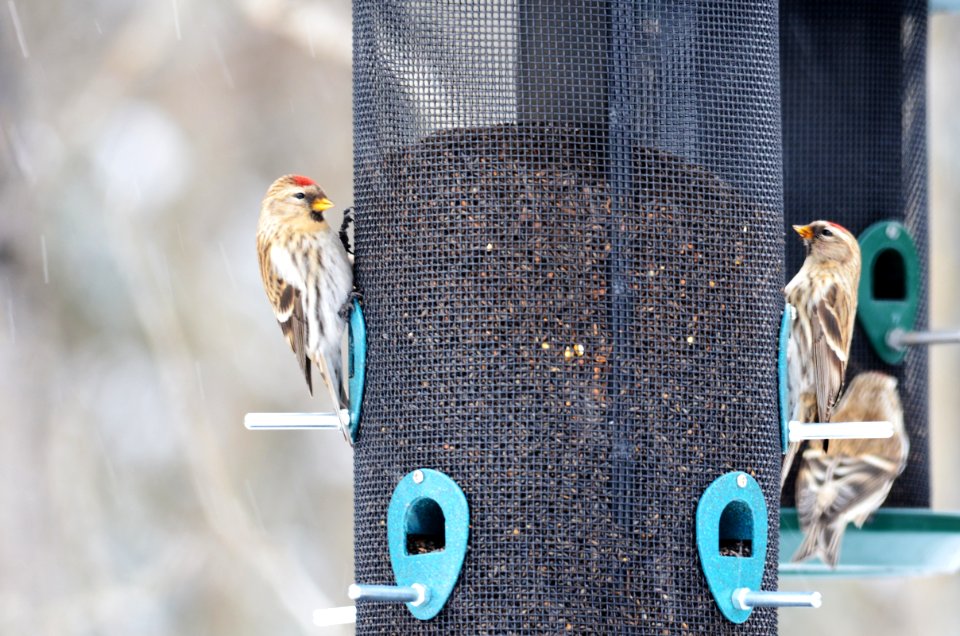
x=854 y=151
x=569 y=237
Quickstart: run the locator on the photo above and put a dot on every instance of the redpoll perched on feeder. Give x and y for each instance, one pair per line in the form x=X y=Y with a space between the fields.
x=851 y=478
x=307 y=276
x=824 y=293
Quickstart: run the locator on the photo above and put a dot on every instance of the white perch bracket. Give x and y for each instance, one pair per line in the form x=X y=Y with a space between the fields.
x=415 y=594
x=346 y=615
x=295 y=421
x=744 y=599
x=801 y=431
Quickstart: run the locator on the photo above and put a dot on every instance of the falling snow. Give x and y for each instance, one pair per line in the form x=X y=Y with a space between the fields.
x=226 y=264
x=176 y=19
x=253 y=505
x=18 y=28
x=165 y=274
x=227 y=76
x=20 y=155
x=183 y=250
x=203 y=392
x=13 y=326
x=309 y=33
x=107 y=461
x=43 y=254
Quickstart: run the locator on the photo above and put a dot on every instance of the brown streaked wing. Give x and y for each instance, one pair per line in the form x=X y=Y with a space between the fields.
x=295 y=329
x=812 y=473
x=830 y=349
x=287 y=307
x=856 y=480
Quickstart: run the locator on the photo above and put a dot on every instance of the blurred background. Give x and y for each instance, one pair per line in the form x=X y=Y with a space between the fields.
x=136 y=142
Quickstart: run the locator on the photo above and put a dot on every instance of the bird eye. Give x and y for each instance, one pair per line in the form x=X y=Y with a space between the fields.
x=826 y=232
x=300 y=195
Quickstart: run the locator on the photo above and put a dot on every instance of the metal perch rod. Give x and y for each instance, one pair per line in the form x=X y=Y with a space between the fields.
x=293 y=421
x=900 y=339
x=744 y=598
x=800 y=431
x=415 y=593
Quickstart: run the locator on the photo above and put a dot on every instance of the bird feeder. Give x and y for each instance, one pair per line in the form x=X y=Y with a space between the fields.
x=569 y=238
x=854 y=151
x=570 y=221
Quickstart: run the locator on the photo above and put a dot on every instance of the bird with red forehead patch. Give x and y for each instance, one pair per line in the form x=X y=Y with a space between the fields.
x=300 y=180
x=824 y=294
x=308 y=278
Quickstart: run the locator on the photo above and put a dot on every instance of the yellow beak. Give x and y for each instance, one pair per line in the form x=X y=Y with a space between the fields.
x=319 y=205
x=805 y=231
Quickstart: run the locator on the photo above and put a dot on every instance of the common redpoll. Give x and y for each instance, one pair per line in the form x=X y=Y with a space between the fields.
x=851 y=478
x=307 y=276
x=824 y=293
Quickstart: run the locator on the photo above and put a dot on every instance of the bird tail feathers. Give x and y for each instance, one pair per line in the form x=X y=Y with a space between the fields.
x=808 y=547
x=823 y=542
x=788 y=461
x=831 y=549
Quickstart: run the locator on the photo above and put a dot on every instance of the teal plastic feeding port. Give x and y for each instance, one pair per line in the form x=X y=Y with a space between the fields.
x=783 y=390
x=357 y=366
x=894 y=542
x=732 y=539
x=428 y=524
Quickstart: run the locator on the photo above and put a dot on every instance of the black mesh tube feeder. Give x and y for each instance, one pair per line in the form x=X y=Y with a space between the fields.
x=570 y=243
